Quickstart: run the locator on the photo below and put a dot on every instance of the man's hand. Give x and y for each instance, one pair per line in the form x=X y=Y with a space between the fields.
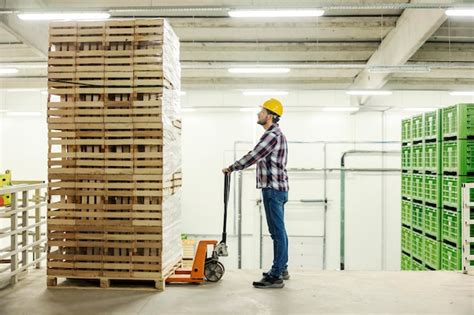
x=226 y=170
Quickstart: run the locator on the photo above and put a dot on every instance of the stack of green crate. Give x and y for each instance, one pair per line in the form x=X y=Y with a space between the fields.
x=457 y=168
x=432 y=144
x=418 y=191
x=437 y=158
x=407 y=204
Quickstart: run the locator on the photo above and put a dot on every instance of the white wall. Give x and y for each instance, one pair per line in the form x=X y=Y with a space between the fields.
x=24 y=138
x=209 y=134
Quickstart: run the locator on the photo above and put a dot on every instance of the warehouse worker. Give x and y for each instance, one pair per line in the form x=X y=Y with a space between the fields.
x=270 y=155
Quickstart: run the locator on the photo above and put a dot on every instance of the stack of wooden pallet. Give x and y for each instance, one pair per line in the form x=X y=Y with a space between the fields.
x=114 y=151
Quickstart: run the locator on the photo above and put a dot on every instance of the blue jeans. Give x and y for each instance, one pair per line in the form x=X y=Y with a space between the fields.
x=274 y=203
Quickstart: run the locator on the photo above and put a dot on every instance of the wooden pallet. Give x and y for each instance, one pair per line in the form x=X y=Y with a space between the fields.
x=112 y=283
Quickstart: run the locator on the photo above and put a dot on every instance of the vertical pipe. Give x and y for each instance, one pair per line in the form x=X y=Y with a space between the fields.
x=13 y=239
x=239 y=224
x=37 y=228
x=325 y=207
x=24 y=224
x=342 y=228
x=234 y=223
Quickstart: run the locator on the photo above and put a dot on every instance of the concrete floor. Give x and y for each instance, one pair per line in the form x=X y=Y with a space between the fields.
x=308 y=292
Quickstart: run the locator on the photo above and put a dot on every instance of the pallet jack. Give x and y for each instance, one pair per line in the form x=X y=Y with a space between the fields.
x=207 y=268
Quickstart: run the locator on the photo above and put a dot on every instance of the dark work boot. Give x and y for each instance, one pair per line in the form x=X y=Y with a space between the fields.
x=269 y=282
x=285 y=275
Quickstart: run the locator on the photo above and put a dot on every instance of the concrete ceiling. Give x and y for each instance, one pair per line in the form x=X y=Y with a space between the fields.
x=324 y=53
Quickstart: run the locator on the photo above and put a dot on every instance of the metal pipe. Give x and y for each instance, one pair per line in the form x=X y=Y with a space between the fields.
x=239 y=225
x=191 y=11
x=342 y=241
x=325 y=205
x=316 y=65
x=234 y=229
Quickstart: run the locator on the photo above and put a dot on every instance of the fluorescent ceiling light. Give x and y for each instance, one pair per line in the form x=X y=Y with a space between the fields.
x=462 y=93
x=8 y=70
x=259 y=70
x=3 y=111
x=276 y=13
x=460 y=12
x=369 y=92
x=400 y=69
x=43 y=16
x=264 y=93
x=44 y=92
x=23 y=114
x=419 y=109
x=182 y=92
x=340 y=109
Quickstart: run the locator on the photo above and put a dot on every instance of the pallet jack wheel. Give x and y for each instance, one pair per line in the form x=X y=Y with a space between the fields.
x=214 y=270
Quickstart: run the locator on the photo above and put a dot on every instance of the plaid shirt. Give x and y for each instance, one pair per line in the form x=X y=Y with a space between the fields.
x=270 y=154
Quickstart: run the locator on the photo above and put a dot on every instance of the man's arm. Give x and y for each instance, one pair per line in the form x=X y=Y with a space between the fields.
x=261 y=150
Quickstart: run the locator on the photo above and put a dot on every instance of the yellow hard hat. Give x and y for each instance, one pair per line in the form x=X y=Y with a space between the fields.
x=274 y=106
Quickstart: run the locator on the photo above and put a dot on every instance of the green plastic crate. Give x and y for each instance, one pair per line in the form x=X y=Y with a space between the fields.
x=417 y=190
x=406 y=184
x=417 y=266
x=406 y=157
x=417 y=241
x=432 y=123
x=406 y=212
x=450 y=257
x=458 y=156
x=451 y=226
x=417 y=157
x=417 y=216
x=432 y=249
x=432 y=157
x=432 y=189
x=405 y=262
x=417 y=128
x=458 y=121
x=406 y=130
x=452 y=190
x=432 y=221
x=406 y=240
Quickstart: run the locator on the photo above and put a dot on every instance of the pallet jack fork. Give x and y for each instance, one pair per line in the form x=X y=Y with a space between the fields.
x=207 y=268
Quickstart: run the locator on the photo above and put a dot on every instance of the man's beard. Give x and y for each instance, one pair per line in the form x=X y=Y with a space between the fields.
x=261 y=122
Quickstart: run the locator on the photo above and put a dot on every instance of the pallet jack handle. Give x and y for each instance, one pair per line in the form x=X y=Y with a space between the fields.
x=221 y=248
x=226 y=202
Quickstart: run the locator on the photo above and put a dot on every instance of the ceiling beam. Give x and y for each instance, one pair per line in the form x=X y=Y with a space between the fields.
x=276 y=52
x=322 y=29
x=464 y=84
x=12 y=53
x=413 y=29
